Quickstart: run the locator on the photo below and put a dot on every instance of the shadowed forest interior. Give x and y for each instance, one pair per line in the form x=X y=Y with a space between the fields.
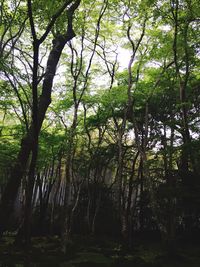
x=100 y=133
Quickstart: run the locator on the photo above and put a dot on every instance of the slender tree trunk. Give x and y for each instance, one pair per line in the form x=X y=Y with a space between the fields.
x=141 y=215
x=55 y=197
x=127 y=232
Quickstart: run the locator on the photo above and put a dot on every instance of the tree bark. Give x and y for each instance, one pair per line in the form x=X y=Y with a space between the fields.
x=27 y=143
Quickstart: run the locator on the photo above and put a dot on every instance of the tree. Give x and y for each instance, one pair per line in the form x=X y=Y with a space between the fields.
x=29 y=143
x=122 y=135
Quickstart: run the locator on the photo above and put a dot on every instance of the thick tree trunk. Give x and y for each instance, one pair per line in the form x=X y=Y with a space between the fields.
x=11 y=189
x=27 y=143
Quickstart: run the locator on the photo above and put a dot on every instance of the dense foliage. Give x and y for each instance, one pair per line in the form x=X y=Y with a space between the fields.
x=100 y=118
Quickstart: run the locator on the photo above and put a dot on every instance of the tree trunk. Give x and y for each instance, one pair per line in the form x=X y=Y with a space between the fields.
x=27 y=143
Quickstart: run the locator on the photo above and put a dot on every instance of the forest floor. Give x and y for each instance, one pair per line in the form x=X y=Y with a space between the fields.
x=101 y=252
